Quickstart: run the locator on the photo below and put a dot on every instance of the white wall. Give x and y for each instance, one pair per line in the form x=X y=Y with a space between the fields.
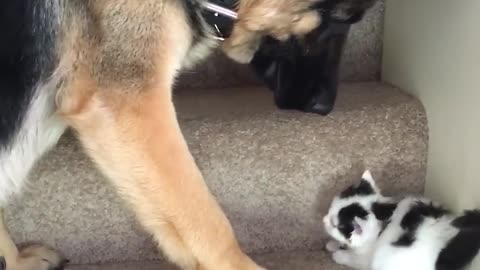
x=432 y=50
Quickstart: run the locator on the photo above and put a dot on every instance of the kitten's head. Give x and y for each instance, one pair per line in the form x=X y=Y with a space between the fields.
x=350 y=219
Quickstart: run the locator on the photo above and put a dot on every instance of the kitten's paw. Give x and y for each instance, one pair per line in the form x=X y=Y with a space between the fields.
x=342 y=257
x=332 y=246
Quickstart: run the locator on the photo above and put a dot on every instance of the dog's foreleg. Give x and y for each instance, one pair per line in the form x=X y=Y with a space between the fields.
x=135 y=139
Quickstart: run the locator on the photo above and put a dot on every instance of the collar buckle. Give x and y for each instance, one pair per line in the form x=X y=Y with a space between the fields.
x=220 y=18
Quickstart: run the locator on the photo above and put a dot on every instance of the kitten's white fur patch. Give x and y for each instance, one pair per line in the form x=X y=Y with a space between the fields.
x=431 y=237
x=374 y=249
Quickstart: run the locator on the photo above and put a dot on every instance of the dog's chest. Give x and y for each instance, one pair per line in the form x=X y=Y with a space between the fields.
x=39 y=131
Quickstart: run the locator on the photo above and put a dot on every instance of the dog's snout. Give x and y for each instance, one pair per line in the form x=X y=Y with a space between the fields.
x=320 y=108
x=322 y=103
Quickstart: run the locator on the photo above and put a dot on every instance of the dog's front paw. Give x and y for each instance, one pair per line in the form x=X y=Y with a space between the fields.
x=38 y=257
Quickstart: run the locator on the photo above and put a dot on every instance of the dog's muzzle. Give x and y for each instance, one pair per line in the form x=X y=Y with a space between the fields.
x=303 y=72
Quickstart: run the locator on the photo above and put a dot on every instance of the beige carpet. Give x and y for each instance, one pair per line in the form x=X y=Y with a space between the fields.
x=274 y=172
x=276 y=261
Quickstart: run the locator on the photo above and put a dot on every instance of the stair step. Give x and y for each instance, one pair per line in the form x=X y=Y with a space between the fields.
x=274 y=172
x=275 y=261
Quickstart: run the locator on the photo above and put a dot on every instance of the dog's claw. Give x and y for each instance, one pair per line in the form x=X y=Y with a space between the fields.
x=3 y=263
x=61 y=266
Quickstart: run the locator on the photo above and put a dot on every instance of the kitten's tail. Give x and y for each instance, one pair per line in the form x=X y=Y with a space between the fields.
x=463 y=247
x=470 y=220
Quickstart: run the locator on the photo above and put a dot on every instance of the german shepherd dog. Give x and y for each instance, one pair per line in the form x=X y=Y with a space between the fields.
x=105 y=68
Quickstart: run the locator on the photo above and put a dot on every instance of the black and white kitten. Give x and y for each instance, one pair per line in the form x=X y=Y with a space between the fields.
x=373 y=232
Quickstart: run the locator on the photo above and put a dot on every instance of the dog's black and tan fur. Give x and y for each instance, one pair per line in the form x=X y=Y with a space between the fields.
x=106 y=68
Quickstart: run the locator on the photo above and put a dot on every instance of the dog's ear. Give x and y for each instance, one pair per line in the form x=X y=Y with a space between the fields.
x=277 y=18
x=241 y=45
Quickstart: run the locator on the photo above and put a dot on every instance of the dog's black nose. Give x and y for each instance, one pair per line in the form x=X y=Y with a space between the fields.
x=322 y=109
x=323 y=100
x=322 y=103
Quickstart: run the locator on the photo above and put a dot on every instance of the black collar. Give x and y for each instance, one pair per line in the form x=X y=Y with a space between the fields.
x=221 y=16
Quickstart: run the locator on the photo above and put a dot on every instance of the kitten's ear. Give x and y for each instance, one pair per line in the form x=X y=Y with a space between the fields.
x=367 y=177
x=357 y=225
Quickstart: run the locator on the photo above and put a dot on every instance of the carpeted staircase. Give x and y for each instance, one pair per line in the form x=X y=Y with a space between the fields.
x=274 y=172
